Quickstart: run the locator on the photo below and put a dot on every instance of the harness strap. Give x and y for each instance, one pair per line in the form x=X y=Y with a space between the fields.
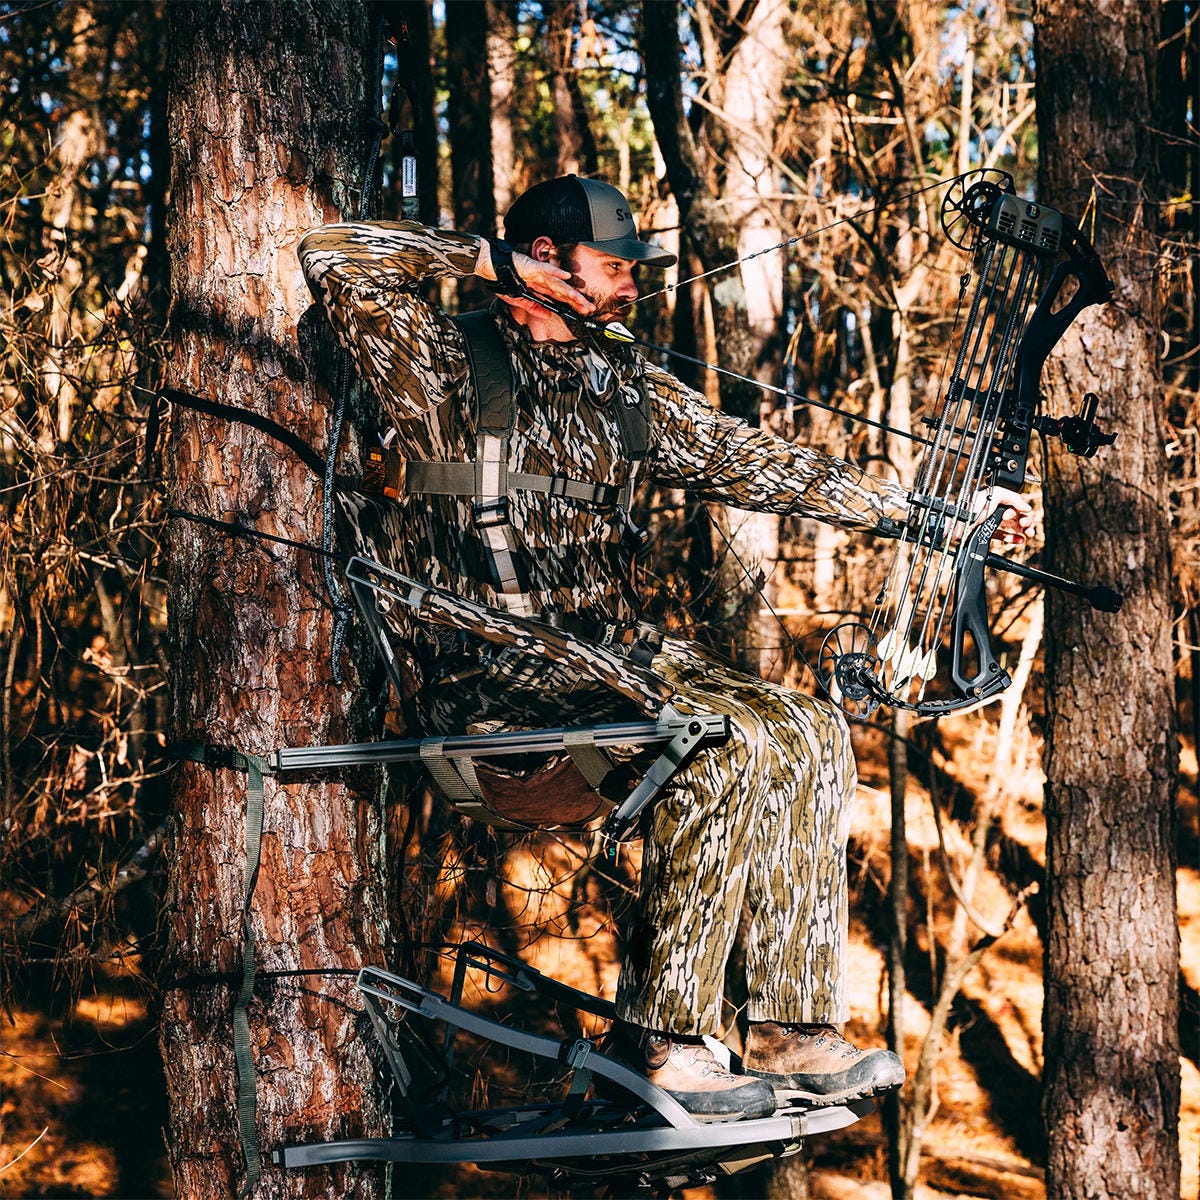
x=222 y=757
x=592 y=763
x=465 y=479
x=495 y=414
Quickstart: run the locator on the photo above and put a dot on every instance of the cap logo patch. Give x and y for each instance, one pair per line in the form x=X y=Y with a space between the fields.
x=623 y=214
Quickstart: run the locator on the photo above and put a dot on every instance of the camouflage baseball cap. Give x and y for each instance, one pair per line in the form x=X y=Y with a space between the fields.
x=585 y=211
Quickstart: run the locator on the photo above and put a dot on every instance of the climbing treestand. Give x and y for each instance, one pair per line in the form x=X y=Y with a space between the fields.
x=595 y=1120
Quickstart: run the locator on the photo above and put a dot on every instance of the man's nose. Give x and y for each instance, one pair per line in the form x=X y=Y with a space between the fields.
x=627 y=289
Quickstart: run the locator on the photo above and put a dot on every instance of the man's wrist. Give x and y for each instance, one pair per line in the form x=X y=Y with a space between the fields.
x=507 y=281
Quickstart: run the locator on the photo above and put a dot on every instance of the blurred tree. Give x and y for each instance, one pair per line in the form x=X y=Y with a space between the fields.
x=505 y=113
x=1111 y=1015
x=269 y=130
x=574 y=143
x=468 y=83
x=81 y=606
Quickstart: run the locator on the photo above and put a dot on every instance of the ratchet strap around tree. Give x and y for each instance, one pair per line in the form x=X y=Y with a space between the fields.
x=222 y=757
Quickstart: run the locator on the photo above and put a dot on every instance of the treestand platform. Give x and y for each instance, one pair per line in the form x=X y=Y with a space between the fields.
x=597 y=1122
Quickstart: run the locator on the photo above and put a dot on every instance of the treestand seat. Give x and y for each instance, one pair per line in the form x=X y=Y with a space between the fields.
x=577 y=781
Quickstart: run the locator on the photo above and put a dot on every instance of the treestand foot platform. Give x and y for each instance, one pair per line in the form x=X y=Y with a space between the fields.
x=636 y=1135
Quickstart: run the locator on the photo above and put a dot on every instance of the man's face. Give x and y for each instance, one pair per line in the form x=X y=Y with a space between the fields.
x=607 y=281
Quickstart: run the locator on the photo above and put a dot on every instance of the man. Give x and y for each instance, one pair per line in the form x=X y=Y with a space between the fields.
x=764 y=819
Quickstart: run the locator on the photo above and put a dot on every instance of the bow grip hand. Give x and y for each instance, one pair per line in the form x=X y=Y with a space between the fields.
x=1017 y=521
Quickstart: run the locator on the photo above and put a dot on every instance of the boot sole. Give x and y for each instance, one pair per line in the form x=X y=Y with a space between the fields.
x=729 y=1118
x=876 y=1087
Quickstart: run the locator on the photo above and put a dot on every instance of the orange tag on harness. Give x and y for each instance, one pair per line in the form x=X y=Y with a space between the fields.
x=383 y=472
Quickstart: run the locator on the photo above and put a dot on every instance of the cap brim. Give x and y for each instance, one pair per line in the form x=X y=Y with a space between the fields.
x=633 y=248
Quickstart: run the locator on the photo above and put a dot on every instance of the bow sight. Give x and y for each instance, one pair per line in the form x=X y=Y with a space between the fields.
x=934 y=596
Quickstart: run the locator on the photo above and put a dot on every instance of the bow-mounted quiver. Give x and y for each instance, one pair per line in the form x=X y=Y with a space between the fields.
x=926 y=645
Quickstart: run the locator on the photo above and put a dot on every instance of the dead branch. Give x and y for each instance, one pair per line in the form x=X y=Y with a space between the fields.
x=87 y=896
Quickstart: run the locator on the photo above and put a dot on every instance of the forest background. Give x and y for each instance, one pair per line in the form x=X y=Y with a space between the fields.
x=733 y=128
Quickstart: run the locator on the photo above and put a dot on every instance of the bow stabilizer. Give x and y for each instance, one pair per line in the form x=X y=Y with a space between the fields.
x=933 y=603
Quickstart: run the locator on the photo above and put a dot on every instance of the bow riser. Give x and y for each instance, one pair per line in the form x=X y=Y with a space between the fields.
x=1046 y=328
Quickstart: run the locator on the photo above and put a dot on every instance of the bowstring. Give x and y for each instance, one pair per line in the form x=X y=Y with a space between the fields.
x=761 y=591
x=883 y=206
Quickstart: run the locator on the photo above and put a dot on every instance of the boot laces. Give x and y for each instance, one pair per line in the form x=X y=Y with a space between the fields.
x=695 y=1056
x=820 y=1035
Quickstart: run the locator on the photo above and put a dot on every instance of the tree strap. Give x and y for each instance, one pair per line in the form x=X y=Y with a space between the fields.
x=226 y=758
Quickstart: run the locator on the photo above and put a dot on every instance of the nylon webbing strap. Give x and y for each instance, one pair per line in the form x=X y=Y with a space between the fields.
x=247 y=1102
x=452 y=784
x=456 y=780
x=592 y=763
x=495 y=412
x=464 y=479
x=247 y=1097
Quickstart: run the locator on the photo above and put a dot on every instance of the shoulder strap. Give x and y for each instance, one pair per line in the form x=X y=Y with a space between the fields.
x=635 y=421
x=495 y=415
x=490 y=372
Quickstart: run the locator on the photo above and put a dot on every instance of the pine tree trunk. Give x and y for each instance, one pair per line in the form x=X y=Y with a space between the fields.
x=576 y=147
x=1111 y=1017
x=469 y=109
x=267 y=113
x=502 y=68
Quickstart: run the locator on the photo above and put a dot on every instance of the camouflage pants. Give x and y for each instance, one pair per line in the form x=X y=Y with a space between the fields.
x=764 y=819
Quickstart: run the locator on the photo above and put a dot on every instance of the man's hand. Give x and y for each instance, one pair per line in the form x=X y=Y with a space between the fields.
x=543 y=277
x=1018 y=516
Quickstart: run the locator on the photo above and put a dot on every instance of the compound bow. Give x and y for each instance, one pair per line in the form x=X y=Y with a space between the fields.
x=934 y=596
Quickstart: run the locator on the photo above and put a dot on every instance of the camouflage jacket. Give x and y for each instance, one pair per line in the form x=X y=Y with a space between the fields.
x=576 y=554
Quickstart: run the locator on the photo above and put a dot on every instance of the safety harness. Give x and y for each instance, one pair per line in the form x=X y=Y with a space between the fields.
x=487 y=478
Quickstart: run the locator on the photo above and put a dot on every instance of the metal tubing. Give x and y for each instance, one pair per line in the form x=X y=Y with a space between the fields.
x=521 y=1148
x=535 y=741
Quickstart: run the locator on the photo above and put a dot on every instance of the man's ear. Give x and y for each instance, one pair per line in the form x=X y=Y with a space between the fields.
x=544 y=250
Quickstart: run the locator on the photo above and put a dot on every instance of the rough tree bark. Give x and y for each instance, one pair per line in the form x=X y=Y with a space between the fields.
x=268 y=135
x=1112 y=1044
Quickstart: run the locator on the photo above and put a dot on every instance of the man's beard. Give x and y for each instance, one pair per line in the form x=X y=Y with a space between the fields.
x=608 y=307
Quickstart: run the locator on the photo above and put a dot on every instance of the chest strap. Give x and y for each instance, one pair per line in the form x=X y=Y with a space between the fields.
x=466 y=478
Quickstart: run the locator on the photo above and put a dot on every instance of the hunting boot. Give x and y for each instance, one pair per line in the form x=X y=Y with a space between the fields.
x=816 y=1064
x=686 y=1069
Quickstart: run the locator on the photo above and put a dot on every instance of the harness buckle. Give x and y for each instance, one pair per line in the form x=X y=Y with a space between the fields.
x=383 y=472
x=223 y=758
x=487 y=514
